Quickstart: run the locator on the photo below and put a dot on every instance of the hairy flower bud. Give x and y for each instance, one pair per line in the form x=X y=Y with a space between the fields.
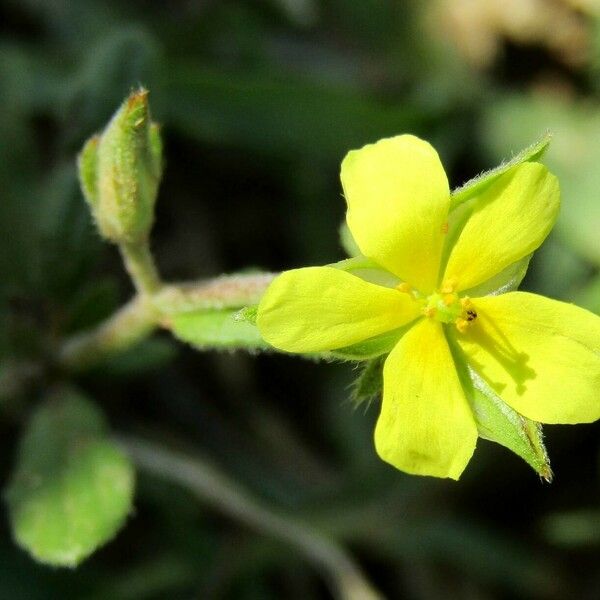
x=120 y=171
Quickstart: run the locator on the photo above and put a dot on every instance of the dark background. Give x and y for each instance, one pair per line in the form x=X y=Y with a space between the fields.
x=259 y=101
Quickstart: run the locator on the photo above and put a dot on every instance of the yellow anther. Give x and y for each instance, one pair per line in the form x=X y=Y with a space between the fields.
x=466 y=303
x=449 y=286
x=450 y=299
x=429 y=311
x=404 y=287
x=462 y=325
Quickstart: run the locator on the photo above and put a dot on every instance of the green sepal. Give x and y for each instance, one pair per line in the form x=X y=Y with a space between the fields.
x=476 y=185
x=348 y=242
x=372 y=347
x=216 y=329
x=156 y=149
x=248 y=314
x=367 y=269
x=369 y=383
x=498 y=422
x=120 y=172
x=72 y=487
x=87 y=163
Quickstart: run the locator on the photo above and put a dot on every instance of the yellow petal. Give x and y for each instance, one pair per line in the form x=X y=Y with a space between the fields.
x=426 y=426
x=541 y=356
x=510 y=219
x=398 y=199
x=323 y=308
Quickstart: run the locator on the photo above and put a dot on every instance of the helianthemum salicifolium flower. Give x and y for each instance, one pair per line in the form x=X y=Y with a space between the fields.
x=434 y=283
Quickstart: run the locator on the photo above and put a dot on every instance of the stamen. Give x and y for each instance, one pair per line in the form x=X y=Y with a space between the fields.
x=449 y=308
x=404 y=287
x=462 y=325
x=450 y=299
x=449 y=286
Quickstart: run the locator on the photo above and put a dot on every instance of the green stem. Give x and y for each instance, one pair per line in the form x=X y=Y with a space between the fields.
x=211 y=486
x=227 y=291
x=128 y=326
x=143 y=314
x=140 y=265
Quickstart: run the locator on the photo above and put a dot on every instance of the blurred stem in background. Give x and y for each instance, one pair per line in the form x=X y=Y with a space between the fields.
x=129 y=325
x=212 y=487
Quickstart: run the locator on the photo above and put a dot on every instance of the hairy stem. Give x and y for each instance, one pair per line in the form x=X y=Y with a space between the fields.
x=144 y=313
x=129 y=325
x=141 y=267
x=211 y=486
x=227 y=291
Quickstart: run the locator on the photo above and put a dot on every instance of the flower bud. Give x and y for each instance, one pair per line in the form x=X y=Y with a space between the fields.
x=120 y=170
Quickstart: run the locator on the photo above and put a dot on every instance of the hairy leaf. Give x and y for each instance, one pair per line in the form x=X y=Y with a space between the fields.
x=369 y=383
x=72 y=487
x=218 y=329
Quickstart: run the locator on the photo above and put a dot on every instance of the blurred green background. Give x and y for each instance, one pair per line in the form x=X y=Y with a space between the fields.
x=259 y=101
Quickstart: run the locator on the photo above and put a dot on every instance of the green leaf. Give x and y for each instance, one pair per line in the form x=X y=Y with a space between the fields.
x=248 y=314
x=498 y=422
x=369 y=383
x=476 y=185
x=216 y=329
x=72 y=487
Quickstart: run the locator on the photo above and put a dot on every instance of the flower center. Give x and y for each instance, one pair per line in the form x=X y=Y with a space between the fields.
x=449 y=308
x=445 y=306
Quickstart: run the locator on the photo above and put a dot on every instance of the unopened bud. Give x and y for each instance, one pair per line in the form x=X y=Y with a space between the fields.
x=120 y=170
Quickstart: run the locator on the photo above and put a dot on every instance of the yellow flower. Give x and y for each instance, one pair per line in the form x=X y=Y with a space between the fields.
x=541 y=356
